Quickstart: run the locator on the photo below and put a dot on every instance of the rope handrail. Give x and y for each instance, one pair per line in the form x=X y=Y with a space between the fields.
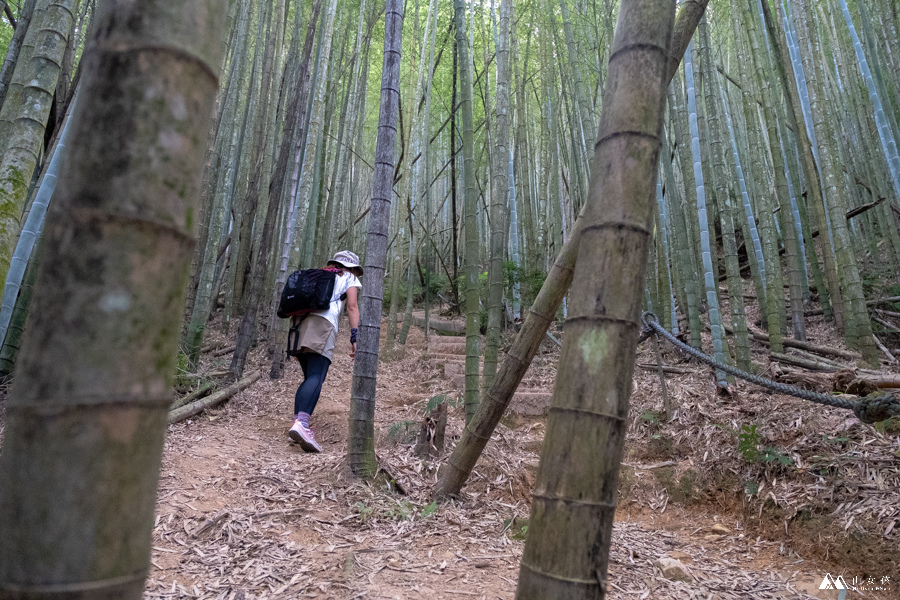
x=868 y=409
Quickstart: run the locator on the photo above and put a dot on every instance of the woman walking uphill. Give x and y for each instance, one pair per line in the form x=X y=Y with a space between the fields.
x=318 y=331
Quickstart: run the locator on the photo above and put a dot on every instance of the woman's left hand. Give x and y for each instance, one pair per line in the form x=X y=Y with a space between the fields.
x=352 y=349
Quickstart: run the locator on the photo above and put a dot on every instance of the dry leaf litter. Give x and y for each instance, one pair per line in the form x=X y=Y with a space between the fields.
x=245 y=514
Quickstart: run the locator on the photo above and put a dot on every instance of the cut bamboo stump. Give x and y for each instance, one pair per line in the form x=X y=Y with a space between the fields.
x=431 y=435
x=189 y=410
x=861 y=384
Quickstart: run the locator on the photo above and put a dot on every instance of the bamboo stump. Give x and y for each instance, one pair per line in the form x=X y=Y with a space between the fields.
x=431 y=434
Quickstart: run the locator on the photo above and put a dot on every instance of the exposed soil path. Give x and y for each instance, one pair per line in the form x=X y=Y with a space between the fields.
x=245 y=514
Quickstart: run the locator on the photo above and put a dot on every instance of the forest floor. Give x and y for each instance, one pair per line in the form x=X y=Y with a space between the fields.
x=243 y=513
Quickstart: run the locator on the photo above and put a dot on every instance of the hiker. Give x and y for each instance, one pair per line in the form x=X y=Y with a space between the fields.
x=318 y=331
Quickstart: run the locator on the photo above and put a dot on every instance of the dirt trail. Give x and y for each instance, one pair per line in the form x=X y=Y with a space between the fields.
x=245 y=514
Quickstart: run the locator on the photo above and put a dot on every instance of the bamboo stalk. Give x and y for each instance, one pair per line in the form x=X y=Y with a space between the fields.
x=810 y=356
x=881 y=381
x=886 y=325
x=223 y=351
x=661 y=370
x=760 y=337
x=85 y=417
x=885 y=351
x=566 y=554
x=198 y=393
x=189 y=410
x=666 y=369
x=796 y=361
x=456 y=470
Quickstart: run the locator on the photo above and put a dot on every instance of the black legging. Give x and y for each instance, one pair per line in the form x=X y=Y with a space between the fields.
x=315 y=368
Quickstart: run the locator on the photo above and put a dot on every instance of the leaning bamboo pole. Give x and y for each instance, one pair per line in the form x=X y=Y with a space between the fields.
x=456 y=470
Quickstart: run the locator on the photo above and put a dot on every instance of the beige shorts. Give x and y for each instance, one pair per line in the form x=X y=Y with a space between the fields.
x=317 y=335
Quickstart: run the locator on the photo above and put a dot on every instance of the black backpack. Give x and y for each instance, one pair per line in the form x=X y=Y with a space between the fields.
x=307 y=291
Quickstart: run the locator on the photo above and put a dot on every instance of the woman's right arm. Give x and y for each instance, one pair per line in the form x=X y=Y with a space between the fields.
x=353 y=317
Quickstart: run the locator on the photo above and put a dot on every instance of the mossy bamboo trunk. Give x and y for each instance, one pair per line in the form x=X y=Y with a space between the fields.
x=87 y=412
x=15 y=46
x=24 y=117
x=567 y=551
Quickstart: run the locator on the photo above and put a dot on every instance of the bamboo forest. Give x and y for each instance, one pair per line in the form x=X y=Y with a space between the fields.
x=386 y=299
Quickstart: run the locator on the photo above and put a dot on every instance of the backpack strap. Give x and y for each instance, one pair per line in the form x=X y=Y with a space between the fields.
x=293 y=341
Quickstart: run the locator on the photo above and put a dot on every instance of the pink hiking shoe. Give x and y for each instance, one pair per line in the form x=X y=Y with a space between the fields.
x=303 y=435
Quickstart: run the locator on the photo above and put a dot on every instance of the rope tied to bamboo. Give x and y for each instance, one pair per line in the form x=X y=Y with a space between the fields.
x=873 y=408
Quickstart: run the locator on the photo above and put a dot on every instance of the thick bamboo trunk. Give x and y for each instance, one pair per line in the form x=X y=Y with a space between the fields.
x=15 y=46
x=23 y=119
x=727 y=199
x=567 y=551
x=857 y=328
x=472 y=255
x=477 y=432
x=87 y=413
x=361 y=441
x=499 y=195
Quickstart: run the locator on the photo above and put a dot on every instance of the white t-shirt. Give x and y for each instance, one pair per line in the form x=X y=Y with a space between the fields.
x=342 y=282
